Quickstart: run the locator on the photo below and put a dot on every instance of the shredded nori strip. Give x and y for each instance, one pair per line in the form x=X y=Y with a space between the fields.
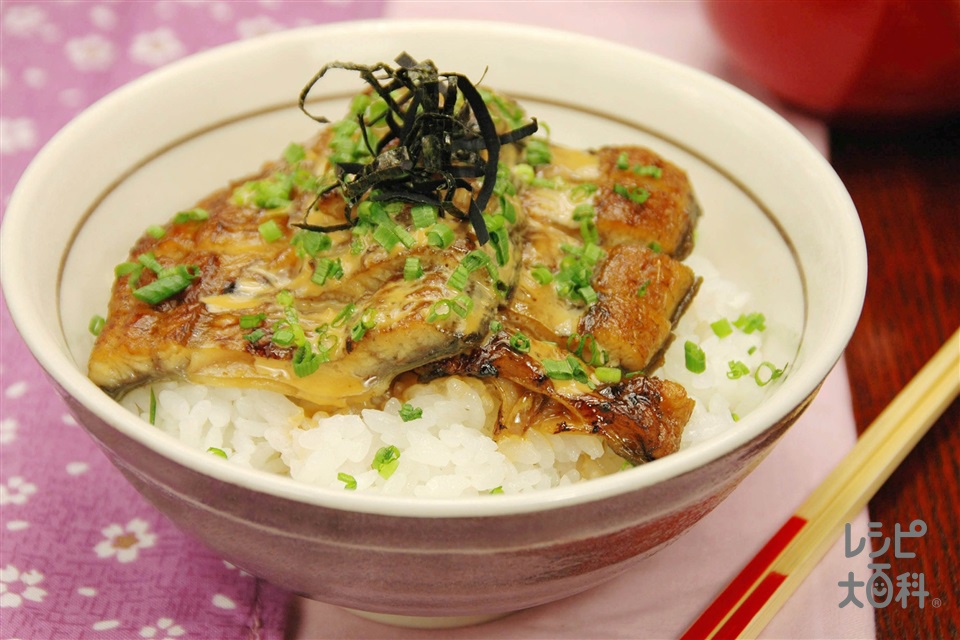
x=430 y=149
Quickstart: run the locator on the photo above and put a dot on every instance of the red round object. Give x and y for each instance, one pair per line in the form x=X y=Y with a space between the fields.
x=882 y=59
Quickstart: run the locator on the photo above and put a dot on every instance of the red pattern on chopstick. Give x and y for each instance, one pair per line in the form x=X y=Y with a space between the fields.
x=729 y=597
x=737 y=622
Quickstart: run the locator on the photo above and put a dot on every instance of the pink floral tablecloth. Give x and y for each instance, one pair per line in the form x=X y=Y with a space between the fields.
x=82 y=555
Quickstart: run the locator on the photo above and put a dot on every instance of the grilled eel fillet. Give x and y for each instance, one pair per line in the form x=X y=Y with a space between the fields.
x=196 y=334
x=642 y=289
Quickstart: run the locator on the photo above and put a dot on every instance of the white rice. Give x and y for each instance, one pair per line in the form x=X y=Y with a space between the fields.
x=449 y=451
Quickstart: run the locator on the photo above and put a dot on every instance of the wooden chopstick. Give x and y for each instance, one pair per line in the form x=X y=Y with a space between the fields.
x=750 y=601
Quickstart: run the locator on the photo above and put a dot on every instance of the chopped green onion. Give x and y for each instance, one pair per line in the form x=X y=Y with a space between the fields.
x=579 y=374
x=294 y=153
x=592 y=253
x=217 y=452
x=474 y=260
x=344 y=315
x=254 y=336
x=251 y=321
x=439 y=310
x=191 y=215
x=623 y=162
x=367 y=321
x=736 y=417
x=504 y=185
x=359 y=103
x=385 y=236
x=774 y=373
x=524 y=173
x=125 y=268
x=537 y=152
x=737 y=369
x=357 y=246
x=588 y=230
x=96 y=325
x=270 y=193
x=326 y=268
x=577 y=344
x=520 y=343
x=608 y=375
x=378 y=107
x=285 y=298
x=751 y=350
x=654 y=246
x=642 y=290
x=423 y=215
x=283 y=337
x=558 y=369
x=542 y=275
x=721 y=328
x=406 y=239
x=458 y=279
x=440 y=236
x=545 y=183
x=385 y=461
x=310 y=243
x=582 y=211
x=638 y=195
x=496 y=490
x=412 y=269
x=150 y=262
x=270 y=231
x=305 y=361
x=696 y=359
x=153 y=407
x=409 y=412
x=501 y=244
x=327 y=343
x=495 y=222
x=748 y=323
x=156 y=231
x=168 y=285
x=462 y=305
x=588 y=294
x=349 y=482
x=495 y=325
x=507 y=210
x=647 y=170
x=583 y=191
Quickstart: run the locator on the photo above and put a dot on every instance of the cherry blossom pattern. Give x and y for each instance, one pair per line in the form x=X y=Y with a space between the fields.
x=35 y=77
x=163 y=629
x=258 y=26
x=125 y=542
x=8 y=430
x=103 y=17
x=155 y=48
x=15 y=587
x=233 y=567
x=18 y=388
x=16 y=490
x=90 y=53
x=24 y=20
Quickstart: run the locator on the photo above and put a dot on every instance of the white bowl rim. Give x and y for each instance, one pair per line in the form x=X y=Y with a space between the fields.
x=802 y=383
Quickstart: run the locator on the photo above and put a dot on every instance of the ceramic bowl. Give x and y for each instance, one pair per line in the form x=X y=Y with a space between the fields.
x=777 y=219
x=857 y=62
